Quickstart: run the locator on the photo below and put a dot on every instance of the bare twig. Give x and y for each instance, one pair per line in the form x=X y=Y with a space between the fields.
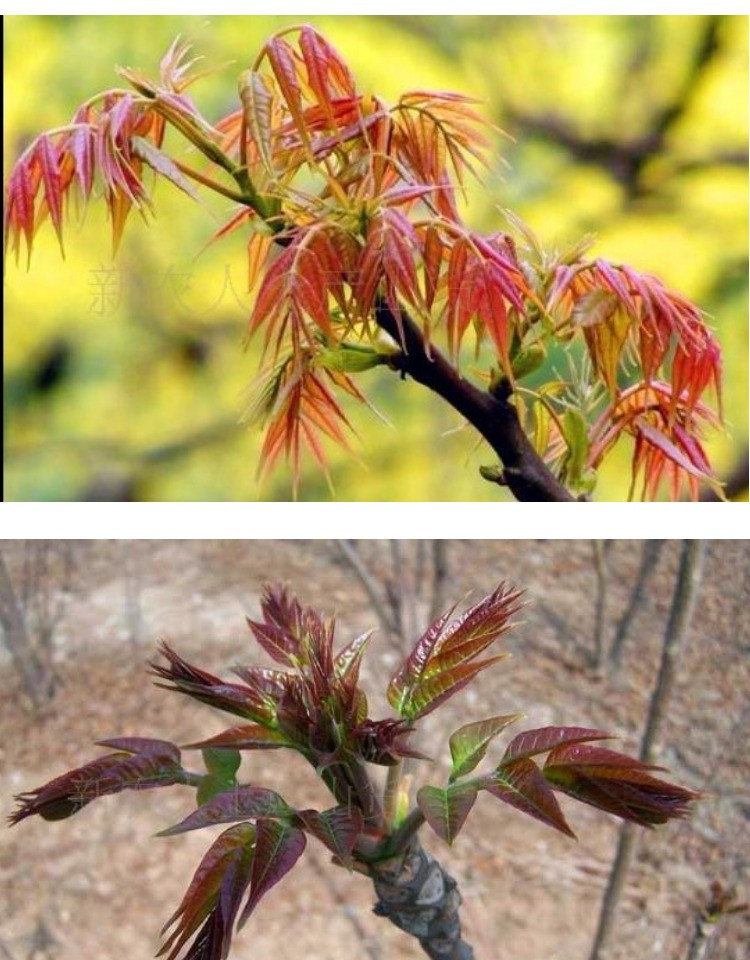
x=378 y=602
x=721 y=903
x=600 y=565
x=400 y=589
x=649 y=559
x=132 y=585
x=441 y=571
x=31 y=669
x=683 y=600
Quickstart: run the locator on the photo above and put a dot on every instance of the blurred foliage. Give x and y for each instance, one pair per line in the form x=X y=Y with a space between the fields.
x=127 y=379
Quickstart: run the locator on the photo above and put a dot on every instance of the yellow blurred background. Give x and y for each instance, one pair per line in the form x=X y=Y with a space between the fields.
x=126 y=379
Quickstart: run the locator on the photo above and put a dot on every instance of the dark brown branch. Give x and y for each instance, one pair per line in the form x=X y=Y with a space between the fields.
x=493 y=415
x=418 y=896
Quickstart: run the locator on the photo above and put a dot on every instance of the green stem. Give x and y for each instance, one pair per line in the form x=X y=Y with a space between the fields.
x=399 y=840
x=390 y=797
x=190 y=779
x=213 y=185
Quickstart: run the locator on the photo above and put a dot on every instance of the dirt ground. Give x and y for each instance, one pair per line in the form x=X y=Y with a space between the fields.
x=100 y=886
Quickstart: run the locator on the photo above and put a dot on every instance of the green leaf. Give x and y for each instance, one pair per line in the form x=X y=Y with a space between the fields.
x=223 y=763
x=576 y=434
x=446 y=810
x=211 y=785
x=528 y=359
x=469 y=743
x=348 y=358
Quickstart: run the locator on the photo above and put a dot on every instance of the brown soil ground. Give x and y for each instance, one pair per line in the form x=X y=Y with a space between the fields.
x=99 y=886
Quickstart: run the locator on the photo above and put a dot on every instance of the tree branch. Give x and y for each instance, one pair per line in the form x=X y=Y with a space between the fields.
x=493 y=415
x=420 y=897
x=350 y=554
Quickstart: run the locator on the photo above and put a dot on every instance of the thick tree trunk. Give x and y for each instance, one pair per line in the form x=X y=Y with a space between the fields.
x=417 y=894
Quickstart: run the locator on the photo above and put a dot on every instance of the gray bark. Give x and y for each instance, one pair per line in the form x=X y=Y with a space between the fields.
x=418 y=896
x=649 y=559
x=34 y=676
x=349 y=552
x=600 y=565
x=440 y=566
x=683 y=601
x=701 y=941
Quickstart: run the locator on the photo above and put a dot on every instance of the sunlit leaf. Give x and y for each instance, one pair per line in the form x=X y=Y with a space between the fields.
x=256 y=93
x=469 y=743
x=441 y=662
x=426 y=695
x=162 y=164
